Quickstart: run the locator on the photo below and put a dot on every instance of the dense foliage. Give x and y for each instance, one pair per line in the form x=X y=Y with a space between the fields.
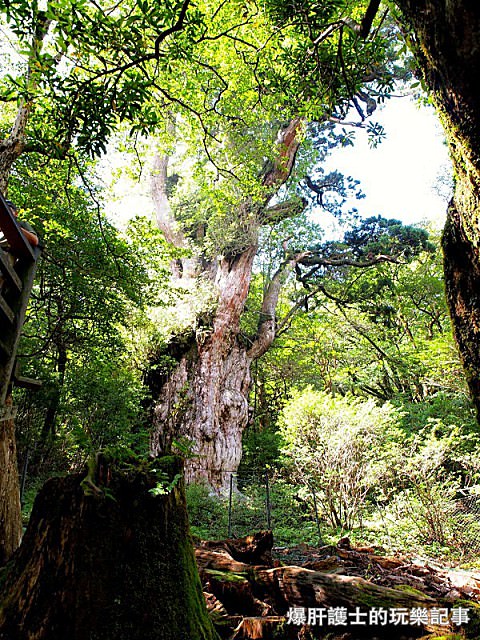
x=82 y=337
x=363 y=372
x=362 y=404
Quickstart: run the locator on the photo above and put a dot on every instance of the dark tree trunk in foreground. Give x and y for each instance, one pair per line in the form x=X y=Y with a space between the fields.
x=117 y=564
x=10 y=510
x=446 y=42
x=205 y=396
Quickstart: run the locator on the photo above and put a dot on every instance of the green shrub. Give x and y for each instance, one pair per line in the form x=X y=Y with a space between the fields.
x=208 y=513
x=341 y=447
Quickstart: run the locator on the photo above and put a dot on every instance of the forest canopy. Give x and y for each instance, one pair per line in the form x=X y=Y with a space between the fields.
x=232 y=108
x=229 y=326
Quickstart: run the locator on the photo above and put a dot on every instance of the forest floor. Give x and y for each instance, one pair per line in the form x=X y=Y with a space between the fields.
x=255 y=591
x=428 y=576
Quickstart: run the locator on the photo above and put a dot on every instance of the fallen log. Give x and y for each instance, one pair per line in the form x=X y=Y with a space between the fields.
x=219 y=561
x=255 y=549
x=295 y=586
x=290 y=586
x=265 y=597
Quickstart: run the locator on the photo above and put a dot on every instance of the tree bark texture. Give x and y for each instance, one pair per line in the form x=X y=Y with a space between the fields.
x=445 y=38
x=116 y=565
x=10 y=509
x=10 y=151
x=205 y=396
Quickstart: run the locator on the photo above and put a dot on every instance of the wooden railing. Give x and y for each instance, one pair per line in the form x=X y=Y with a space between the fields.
x=17 y=269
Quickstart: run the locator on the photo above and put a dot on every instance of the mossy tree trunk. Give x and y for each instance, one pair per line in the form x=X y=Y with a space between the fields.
x=117 y=564
x=205 y=395
x=445 y=38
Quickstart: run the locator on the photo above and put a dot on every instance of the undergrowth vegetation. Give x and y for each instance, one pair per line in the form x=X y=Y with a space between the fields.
x=402 y=477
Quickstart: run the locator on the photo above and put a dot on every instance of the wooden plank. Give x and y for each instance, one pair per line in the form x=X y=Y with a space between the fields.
x=6 y=311
x=9 y=272
x=27 y=383
x=17 y=241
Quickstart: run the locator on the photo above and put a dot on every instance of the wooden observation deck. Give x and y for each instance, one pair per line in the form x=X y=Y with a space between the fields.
x=14 y=295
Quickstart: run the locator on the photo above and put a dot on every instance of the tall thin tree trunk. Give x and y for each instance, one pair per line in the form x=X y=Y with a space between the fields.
x=48 y=428
x=10 y=509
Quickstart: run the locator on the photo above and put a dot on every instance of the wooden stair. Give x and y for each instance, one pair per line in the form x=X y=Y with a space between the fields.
x=14 y=295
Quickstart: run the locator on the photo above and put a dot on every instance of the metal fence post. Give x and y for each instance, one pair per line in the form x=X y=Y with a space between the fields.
x=320 y=541
x=267 y=502
x=230 y=497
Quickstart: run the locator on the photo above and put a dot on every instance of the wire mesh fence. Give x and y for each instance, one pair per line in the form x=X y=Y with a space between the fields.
x=295 y=514
x=254 y=502
x=465 y=514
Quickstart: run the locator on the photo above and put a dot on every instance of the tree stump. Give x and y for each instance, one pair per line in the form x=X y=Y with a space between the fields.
x=117 y=564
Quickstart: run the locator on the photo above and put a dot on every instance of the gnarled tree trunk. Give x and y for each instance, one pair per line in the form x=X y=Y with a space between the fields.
x=205 y=397
x=446 y=42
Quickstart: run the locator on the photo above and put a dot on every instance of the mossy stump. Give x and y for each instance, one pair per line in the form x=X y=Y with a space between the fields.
x=117 y=564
